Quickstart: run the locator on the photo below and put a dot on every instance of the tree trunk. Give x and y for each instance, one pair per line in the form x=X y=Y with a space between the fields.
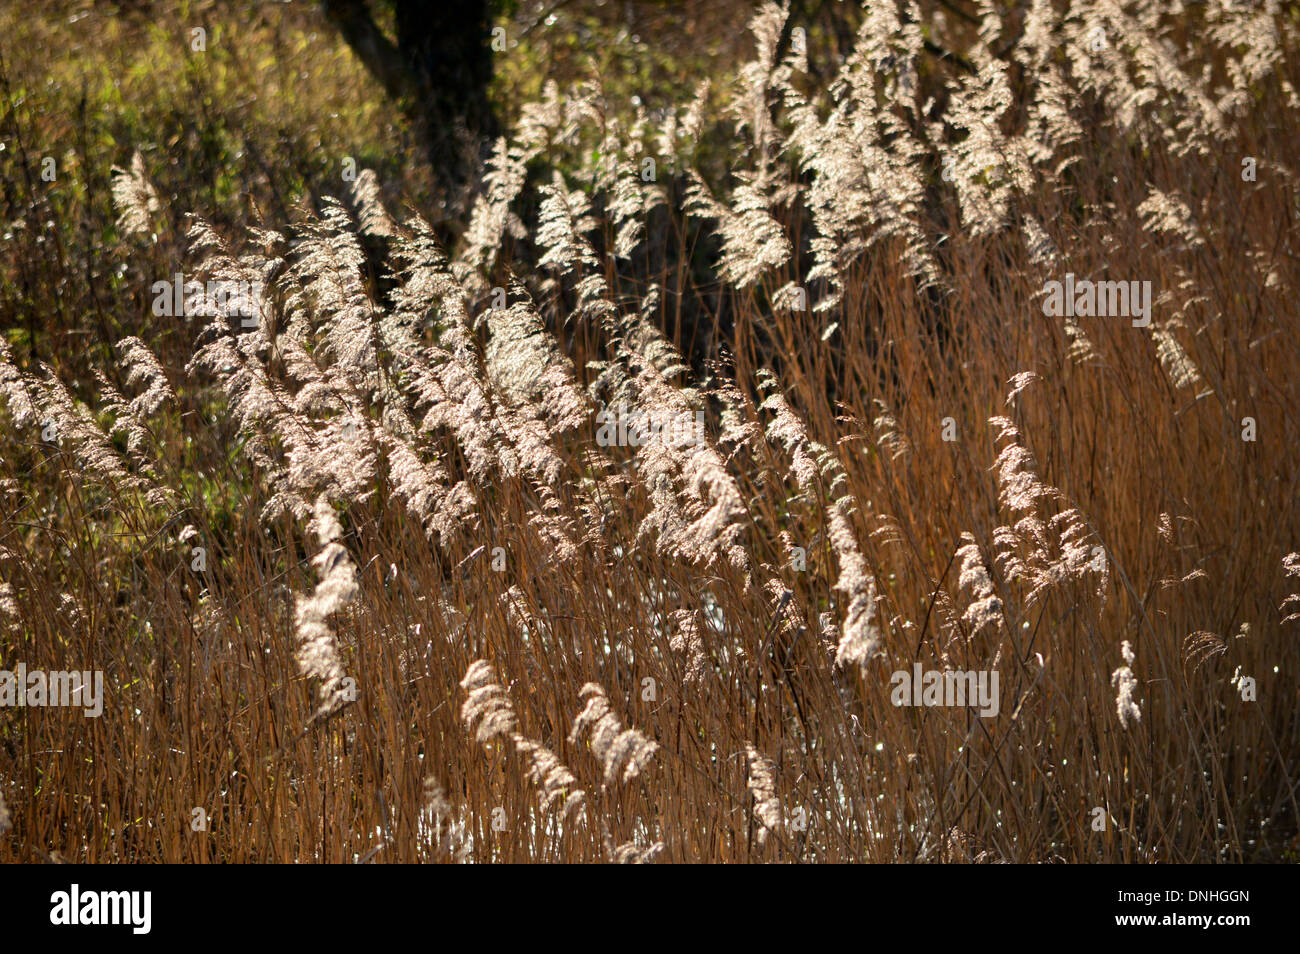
x=439 y=69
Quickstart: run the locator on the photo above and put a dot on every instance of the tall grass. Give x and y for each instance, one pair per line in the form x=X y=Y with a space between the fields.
x=438 y=617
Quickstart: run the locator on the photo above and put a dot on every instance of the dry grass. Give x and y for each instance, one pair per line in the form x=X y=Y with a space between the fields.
x=439 y=619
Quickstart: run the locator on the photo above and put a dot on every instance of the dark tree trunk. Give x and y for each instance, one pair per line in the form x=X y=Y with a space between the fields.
x=447 y=49
x=439 y=69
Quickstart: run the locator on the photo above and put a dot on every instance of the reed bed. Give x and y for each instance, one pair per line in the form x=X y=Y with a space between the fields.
x=595 y=528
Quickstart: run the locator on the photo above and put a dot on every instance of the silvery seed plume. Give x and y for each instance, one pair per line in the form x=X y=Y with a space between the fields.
x=787 y=430
x=631 y=203
x=491 y=218
x=92 y=448
x=329 y=291
x=753 y=241
x=866 y=162
x=487 y=712
x=632 y=854
x=1248 y=36
x=1182 y=372
x=687 y=642
x=339 y=457
x=135 y=198
x=555 y=783
x=1045 y=552
x=1169 y=212
x=448 y=831
x=1019 y=487
x=760 y=75
x=556 y=118
x=556 y=527
x=625 y=753
x=445 y=380
x=1037 y=42
x=318 y=652
x=1201 y=646
x=1125 y=685
x=861 y=636
x=262 y=412
x=1042 y=250
x=1291 y=567
x=8 y=606
x=367 y=197
x=142 y=366
x=564 y=222
x=526 y=365
x=564 y=218
x=443 y=509
x=239 y=301
x=19 y=391
x=713 y=508
x=989 y=168
x=761 y=782
x=736 y=428
x=985 y=608
x=125 y=422
x=890 y=436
